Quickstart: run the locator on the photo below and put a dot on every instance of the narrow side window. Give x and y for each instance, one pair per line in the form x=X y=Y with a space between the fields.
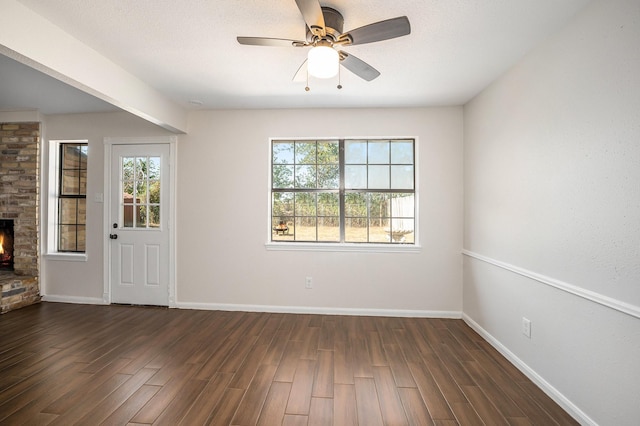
x=71 y=212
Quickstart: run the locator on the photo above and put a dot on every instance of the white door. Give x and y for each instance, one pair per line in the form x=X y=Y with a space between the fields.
x=139 y=219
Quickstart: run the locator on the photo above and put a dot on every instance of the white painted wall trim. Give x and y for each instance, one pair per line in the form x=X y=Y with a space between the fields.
x=552 y=392
x=57 y=298
x=592 y=296
x=344 y=247
x=320 y=310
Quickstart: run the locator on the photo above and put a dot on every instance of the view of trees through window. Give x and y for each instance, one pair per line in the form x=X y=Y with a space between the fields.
x=354 y=191
x=141 y=192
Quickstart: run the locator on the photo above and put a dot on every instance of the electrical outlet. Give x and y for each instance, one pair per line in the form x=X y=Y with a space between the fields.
x=308 y=283
x=526 y=327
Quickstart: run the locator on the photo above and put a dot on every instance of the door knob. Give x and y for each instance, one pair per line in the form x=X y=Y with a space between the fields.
x=113 y=236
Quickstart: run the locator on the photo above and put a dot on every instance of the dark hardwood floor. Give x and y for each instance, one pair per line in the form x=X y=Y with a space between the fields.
x=64 y=364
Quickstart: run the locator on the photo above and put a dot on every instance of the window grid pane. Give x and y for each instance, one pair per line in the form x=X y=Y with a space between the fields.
x=368 y=198
x=72 y=193
x=140 y=182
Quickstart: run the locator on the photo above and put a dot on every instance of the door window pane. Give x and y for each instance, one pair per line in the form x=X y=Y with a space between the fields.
x=141 y=189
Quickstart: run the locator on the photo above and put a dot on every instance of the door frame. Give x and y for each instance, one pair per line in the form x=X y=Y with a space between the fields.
x=109 y=142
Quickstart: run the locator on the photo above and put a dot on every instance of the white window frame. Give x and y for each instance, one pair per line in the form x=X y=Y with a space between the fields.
x=343 y=246
x=53 y=189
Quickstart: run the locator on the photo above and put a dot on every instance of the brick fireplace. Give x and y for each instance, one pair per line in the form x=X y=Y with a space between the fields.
x=19 y=202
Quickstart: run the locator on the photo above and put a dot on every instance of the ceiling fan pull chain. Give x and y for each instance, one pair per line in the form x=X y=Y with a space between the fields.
x=339 y=78
x=307 y=87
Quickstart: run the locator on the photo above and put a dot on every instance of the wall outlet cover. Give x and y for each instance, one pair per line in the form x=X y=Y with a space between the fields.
x=526 y=327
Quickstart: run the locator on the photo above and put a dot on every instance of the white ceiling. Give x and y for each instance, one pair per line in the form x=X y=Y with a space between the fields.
x=187 y=51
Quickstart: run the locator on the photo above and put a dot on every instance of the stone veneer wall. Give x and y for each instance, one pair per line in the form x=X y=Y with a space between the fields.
x=20 y=200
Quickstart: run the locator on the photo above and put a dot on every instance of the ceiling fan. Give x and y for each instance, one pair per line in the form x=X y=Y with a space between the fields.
x=325 y=37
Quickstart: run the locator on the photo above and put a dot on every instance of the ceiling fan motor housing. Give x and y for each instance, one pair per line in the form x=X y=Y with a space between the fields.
x=333 y=22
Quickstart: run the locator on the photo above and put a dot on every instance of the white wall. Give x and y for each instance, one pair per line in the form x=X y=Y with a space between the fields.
x=223 y=198
x=222 y=215
x=552 y=213
x=82 y=281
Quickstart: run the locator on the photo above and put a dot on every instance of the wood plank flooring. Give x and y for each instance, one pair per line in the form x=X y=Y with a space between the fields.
x=64 y=364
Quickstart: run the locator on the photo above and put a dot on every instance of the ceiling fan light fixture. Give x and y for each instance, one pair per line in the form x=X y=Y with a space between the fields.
x=323 y=62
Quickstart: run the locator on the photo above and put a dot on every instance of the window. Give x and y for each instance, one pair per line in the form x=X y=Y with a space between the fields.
x=71 y=214
x=343 y=191
x=140 y=183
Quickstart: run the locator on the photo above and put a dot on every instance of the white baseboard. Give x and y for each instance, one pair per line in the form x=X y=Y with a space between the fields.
x=320 y=311
x=552 y=392
x=276 y=309
x=72 y=299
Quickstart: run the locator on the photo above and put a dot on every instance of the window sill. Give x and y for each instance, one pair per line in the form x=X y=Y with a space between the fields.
x=68 y=257
x=345 y=247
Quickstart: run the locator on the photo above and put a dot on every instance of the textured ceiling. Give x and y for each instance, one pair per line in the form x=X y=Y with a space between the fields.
x=187 y=50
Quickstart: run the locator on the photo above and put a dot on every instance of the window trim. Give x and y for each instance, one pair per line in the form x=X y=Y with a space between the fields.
x=50 y=251
x=359 y=247
x=342 y=247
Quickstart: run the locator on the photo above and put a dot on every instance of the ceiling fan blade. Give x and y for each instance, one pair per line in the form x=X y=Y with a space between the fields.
x=378 y=31
x=358 y=66
x=301 y=74
x=312 y=14
x=264 y=41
